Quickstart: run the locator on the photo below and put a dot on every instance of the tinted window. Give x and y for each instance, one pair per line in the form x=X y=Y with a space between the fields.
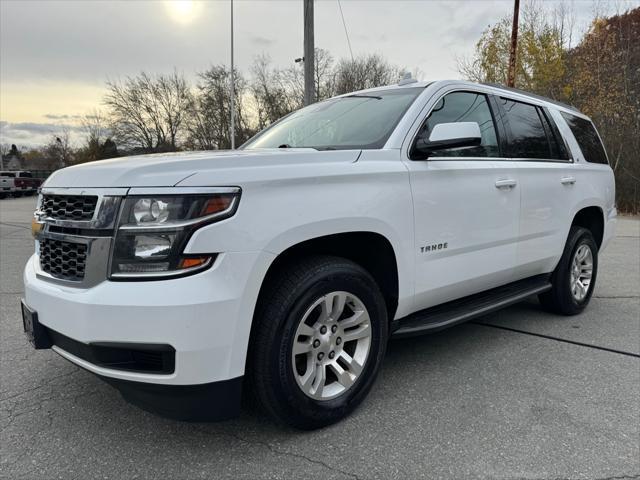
x=25 y=174
x=351 y=122
x=464 y=107
x=556 y=143
x=528 y=137
x=587 y=138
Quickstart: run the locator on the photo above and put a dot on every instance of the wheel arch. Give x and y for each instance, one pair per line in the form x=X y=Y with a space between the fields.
x=371 y=250
x=591 y=218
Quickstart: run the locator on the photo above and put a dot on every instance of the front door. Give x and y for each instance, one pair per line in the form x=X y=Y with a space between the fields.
x=466 y=208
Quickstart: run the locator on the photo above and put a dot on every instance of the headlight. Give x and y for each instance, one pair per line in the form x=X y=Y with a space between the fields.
x=154 y=229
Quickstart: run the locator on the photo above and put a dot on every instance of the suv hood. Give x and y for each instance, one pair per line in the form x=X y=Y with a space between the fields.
x=169 y=169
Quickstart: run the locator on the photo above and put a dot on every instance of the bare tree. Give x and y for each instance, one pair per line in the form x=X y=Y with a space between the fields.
x=364 y=72
x=277 y=92
x=209 y=120
x=95 y=129
x=149 y=112
x=269 y=89
x=59 y=148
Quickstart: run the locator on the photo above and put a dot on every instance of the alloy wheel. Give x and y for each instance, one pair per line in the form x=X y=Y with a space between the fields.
x=331 y=345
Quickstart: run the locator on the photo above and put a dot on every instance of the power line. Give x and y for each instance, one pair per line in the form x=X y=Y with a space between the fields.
x=344 y=24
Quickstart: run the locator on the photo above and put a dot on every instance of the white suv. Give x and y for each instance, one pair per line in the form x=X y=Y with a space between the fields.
x=285 y=266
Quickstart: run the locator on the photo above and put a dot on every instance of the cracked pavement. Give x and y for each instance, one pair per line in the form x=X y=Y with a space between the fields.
x=520 y=394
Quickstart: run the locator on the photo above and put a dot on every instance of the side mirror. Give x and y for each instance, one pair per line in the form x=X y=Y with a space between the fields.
x=448 y=135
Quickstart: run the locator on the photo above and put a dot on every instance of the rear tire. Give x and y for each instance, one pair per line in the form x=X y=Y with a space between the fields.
x=574 y=278
x=305 y=367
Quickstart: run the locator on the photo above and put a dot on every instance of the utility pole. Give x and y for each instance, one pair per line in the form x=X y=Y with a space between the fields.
x=511 y=78
x=232 y=132
x=309 y=53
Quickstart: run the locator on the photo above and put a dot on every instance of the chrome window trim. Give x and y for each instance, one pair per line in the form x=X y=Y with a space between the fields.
x=430 y=105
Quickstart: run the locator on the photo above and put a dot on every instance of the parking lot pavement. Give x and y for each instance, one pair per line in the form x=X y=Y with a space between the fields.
x=520 y=394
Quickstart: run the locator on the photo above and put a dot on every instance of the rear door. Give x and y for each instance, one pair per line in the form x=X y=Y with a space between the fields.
x=548 y=184
x=466 y=206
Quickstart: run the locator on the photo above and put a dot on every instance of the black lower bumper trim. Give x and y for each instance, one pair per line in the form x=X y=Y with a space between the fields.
x=132 y=357
x=208 y=402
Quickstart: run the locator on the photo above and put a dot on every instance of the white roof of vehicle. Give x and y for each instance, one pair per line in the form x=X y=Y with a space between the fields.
x=492 y=88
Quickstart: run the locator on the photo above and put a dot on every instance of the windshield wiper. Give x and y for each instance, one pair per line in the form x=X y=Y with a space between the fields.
x=286 y=145
x=364 y=96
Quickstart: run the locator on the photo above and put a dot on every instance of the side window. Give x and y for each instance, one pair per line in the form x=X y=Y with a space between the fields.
x=465 y=107
x=528 y=136
x=558 y=148
x=587 y=138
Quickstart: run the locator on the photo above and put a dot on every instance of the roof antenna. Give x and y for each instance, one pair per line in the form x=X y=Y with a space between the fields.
x=406 y=79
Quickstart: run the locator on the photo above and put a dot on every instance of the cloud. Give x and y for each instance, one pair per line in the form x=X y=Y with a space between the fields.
x=52 y=116
x=262 y=41
x=33 y=134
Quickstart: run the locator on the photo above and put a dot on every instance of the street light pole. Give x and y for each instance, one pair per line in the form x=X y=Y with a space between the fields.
x=511 y=77
x=309 y=60
x=232 y=132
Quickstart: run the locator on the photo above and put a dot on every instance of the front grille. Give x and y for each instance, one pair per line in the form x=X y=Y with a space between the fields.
x=69 y=207
x=63 y=260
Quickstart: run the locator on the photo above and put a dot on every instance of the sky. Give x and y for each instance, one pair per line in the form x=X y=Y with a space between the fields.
x=55 y=56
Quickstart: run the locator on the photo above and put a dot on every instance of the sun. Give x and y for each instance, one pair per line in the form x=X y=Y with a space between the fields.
x=182 y=11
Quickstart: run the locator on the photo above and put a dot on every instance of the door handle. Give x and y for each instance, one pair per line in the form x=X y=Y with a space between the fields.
x=507 y=183
x=568 y=180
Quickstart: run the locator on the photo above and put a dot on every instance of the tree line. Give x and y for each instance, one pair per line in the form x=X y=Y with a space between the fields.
x=152 y=113
x=157 y=113
x=600 y=76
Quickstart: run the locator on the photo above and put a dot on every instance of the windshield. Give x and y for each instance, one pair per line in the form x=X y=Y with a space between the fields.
x=358 y=121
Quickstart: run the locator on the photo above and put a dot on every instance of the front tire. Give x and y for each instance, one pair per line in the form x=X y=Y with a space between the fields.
x=574 y=278
x=318 y=341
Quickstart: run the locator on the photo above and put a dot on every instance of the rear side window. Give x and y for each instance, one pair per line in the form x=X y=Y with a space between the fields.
x=464 y=107
x=587 y=138
x=528 y=136
x=558 y=148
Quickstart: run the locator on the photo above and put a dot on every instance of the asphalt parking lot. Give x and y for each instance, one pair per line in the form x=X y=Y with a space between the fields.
x=520 y=394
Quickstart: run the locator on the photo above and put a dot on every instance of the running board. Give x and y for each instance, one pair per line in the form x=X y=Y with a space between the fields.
x=457 y=311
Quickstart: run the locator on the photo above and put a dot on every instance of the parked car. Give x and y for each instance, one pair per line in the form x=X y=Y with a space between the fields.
x=6 y=186
x=18 y=183
x=282 y=269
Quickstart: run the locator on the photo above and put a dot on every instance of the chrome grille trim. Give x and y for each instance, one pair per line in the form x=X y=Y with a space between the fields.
x=63 y=260
x=69 y=207
x=95 y=249
x=104 y=215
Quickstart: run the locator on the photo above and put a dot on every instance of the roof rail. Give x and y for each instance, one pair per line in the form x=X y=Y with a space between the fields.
x=533 y=95
x=406 y=79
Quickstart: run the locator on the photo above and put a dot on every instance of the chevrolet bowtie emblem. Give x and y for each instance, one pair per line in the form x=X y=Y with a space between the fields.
x=36 y=226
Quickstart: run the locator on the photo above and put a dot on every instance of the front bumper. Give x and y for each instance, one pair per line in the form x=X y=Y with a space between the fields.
x=205 y=317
